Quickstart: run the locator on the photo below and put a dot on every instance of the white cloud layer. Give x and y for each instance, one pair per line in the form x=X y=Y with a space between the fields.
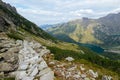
x=55 y=11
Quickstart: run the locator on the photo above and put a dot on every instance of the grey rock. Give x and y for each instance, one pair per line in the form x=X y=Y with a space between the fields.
x=93 y=74
x=44 y=51
x=6 y=67
x=105 y=77
x=28 y=78
x=69 y=59
x=83 y=75
x=10 y=57
x=23 y=66
x=20 y=75
x=3 y=50
x=49 y=75
x=44 y=71
x=19 y=42
x=35 y=71
x=31 y=62
x=42 y=65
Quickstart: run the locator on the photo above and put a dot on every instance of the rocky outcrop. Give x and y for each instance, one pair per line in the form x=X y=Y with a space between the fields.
x=31 y=64
x=6 y=25
x=8 y=55
x=24 y=60
x=68 y=70
x=8 y=6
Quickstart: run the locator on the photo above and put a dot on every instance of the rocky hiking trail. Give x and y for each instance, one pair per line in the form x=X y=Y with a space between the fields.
x=29 y=60
x=24 y=60
x=31 y=63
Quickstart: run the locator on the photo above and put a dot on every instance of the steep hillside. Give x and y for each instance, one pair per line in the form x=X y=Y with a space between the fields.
x=23 y=54
x=108 y=30
x=17 y=27
x=11 y=21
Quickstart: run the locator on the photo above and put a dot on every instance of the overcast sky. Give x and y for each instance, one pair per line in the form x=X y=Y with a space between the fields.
x=56 y=11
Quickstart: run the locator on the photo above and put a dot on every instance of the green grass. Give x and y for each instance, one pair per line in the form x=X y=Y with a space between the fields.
x=12 y=78
x=101 y=71
x=90 y=56
x=113 y=56
x=15 y=35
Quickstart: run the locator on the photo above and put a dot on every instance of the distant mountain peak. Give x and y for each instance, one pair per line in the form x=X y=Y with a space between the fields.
x=85 y=18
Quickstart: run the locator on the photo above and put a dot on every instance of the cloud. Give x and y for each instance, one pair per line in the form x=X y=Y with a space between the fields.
x=115 y=10
x=94 y=3
x=40 y=16
x=82 y=12
x=54 y=11
x=39 y=12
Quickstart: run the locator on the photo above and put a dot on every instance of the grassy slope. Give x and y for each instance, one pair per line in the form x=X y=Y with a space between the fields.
x=76 y=31
x=101 y=71
x=63 y=50
x=90 y=60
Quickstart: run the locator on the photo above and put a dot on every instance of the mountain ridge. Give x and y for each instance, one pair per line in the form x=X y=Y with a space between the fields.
x=92 y=31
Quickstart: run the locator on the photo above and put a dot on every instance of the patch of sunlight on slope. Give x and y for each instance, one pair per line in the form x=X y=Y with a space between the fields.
x=61 y=45
x=88 y=36
x=77 y=34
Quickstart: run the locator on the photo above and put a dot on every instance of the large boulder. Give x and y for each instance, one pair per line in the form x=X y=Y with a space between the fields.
x=93 y=74
x=69 y=59
x=42 y=65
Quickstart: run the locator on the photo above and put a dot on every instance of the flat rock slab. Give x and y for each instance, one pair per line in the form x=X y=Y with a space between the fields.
x=6 y=67
x=48 y=76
